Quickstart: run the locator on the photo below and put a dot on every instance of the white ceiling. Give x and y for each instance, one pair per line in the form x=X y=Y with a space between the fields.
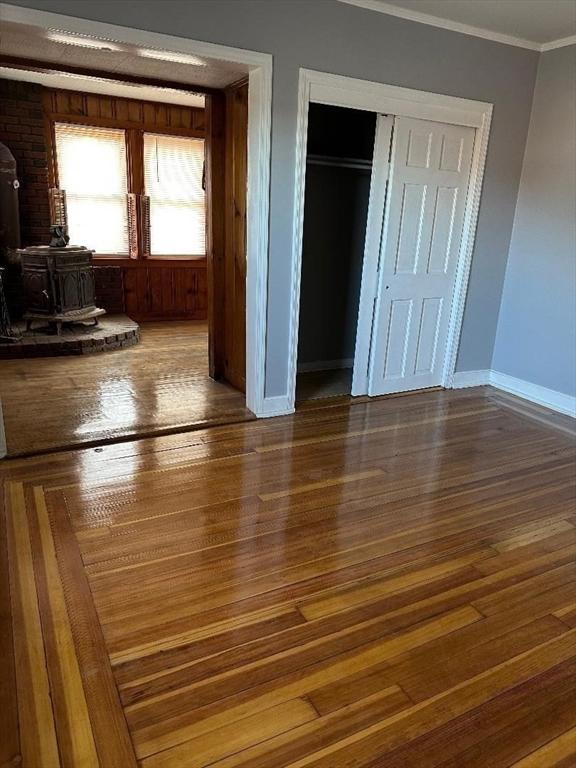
x=536 y=23
x=116 y=57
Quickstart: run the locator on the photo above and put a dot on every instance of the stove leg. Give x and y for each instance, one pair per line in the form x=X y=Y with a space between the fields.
x=59 y=327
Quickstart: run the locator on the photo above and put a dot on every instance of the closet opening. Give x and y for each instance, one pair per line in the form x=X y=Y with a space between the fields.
x=340 y=148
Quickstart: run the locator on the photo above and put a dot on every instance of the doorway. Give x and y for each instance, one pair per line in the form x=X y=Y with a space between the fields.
x=151 y=190
x=193 y=60
x=338 y=170
x=149 y=177
x=428 y=161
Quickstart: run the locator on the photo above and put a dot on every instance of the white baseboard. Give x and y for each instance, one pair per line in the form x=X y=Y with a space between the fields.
x=549 y=398
x=280 y=405
x=464 y=379
x=325 y=365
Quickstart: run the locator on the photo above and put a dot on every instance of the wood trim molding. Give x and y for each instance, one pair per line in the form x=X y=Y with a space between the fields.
x=337 y=90
x=215 y=230
x=168 y=263
x=234 y=278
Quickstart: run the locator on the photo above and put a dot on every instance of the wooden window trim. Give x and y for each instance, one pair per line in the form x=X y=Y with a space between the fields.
x=103 y=122
x=154 y=262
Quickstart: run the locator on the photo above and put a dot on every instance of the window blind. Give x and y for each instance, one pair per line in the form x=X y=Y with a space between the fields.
x=173 y=174
x=92 y=171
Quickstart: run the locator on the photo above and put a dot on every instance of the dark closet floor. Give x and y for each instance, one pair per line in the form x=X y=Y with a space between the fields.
x=316 y=385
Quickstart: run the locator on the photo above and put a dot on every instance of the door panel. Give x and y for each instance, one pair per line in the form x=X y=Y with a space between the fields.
x=409 y=219
x=428 y=335
x=398 y=335
x=445 y=212
x=368 y=284
x=421 y=237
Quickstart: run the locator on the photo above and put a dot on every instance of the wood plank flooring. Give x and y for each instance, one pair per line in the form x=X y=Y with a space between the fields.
x=159 y=386
x=384 y=585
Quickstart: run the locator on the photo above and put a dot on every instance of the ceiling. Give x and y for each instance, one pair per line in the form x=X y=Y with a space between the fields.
x=64 y=48
x=536 y=23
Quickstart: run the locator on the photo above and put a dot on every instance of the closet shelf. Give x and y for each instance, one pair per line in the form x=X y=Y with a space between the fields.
x=340 y=162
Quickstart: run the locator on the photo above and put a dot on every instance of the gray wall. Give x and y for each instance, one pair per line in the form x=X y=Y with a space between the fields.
x=536 y=339
x=334 y=37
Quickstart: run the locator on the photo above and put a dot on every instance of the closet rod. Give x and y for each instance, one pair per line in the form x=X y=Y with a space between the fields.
x=340 y=162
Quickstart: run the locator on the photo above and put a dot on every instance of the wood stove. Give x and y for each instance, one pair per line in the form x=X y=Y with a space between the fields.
x=58 y=285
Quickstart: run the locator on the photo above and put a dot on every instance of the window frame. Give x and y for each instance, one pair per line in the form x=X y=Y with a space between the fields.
x=181 y=256
x=55 y=176
x=134 y=138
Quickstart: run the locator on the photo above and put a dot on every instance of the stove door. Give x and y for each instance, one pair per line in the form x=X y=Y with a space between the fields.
x=68 y=290
x=37 y=290
x=87 y=292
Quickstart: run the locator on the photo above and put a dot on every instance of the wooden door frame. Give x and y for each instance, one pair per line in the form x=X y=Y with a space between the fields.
x=341 y=91
x=258 y=67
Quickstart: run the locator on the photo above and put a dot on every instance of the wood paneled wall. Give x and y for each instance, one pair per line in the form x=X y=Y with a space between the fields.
x=227 y=127
x=154 y=289
x=117 y=112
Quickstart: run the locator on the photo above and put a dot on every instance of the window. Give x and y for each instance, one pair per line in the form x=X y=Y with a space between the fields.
x=173 y=181
x=124 y=192
x=92 y=171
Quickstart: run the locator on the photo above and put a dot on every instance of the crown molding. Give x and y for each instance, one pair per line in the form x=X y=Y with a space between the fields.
x=562 y=43
x=455 y=26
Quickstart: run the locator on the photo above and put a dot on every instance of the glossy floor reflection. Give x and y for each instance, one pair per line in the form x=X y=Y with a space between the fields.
x=388 y=584
x=161 y=384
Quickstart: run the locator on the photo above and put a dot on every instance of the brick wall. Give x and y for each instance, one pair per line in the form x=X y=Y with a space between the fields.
x=22 y=131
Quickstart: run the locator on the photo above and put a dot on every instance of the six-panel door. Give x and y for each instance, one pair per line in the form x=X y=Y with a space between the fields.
x=419 y=253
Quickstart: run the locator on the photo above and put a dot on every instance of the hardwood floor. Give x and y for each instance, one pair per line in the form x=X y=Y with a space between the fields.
x=383 y=585
x=159 y=386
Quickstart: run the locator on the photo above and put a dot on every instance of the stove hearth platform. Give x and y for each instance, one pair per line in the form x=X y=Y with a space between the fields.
x=113 y=332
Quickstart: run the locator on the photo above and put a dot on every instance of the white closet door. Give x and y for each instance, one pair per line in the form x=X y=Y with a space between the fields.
x=368 y=285
x=419 y=254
